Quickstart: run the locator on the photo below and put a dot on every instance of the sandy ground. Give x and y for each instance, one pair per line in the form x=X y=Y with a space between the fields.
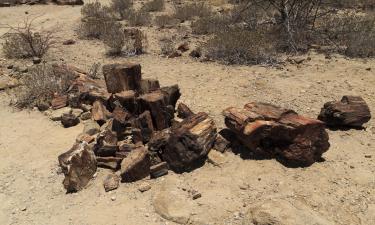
x=341 y=189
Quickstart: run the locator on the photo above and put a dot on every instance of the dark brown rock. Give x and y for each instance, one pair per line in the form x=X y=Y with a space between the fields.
x=106 y=144
x=145 y=125
x=183 y=111
x=59 y=101
x=109 y=162
x=78 y=165
x=69 y=42
x=154 y=103
x=351 y=111
x=68 y=2
x=171 y=94
x=149 y=85
x=136 y=166
x=99 y=112
x=273 y=132
x=190 y=142
x=221 y=144
x=159 y=170
x=69 y=120
x=111 y=182
x=127 y=100
x=122 y=77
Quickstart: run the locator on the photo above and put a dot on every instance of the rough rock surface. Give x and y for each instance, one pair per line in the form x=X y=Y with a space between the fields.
x=111 y=182
x=351 y=111
x=79 y=165
x=283 y=212
x=136 y=166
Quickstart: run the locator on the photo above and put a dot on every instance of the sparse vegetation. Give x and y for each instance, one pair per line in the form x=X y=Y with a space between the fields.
x=191 y=10
x=167 y=46
x=41 y=83
x=114 y=37
x=138 y=18
x=96 y=19
x=153 y=6
x=24 y=41
x=237 y=46
x=165 y=21
x=122 y=7
x=210 y=24
x=94 y=71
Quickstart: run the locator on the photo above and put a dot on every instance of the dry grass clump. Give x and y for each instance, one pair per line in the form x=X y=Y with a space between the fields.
x=191 y=10
x=210 y=24
x=138 y=18
x=165 y=21
x=94 y=71
x=122 y=7
x=238 y=46
x=114 y=38
x=167 y=46
x=41 y=84
x=153 y=6
x=95 y=20
x=24 y=41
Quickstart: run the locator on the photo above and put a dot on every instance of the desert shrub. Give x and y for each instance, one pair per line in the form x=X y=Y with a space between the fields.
x=167 y=46
x=94 y=71
x=122 y=7
x=138 y=18
x=113 y=36
x=190 y=10
x=41 y=83
x=24 y=41
x=95 y=20
x=165 y=21
x=210 y=24
x=153 y=6
x=238 y=46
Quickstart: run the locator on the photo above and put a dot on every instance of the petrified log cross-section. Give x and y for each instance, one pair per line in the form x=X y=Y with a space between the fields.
x=351 y=111
x=189 y=142
x=122 y=77
x=273 y=132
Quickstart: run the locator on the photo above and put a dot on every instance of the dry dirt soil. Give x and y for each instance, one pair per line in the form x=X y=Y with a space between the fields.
x=340 y=190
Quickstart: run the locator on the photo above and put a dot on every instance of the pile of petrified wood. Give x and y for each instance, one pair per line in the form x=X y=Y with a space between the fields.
x=138 y=134
x=134 y=132
x=6 y=3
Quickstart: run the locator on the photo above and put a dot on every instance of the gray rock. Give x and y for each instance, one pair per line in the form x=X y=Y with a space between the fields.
x=7 y=82
x=69 y=120
x=283 y=212
x=171 y=203
x=111 y=182
x=91 y=127
x=77 y=112
x=56 y=115
x=85 y=116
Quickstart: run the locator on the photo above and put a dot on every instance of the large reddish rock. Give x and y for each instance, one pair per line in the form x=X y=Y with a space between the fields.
x=136 y=165
x=273 y=132
x=122 y=77
x=351 y=111
x=78 y=165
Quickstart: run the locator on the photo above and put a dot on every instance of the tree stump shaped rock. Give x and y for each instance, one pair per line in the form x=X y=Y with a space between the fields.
x=122 y=77
x=136 y=166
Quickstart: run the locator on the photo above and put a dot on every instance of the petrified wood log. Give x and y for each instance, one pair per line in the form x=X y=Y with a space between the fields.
x=183 y=111
x=99 y=112
x=109 y=162
x=273 y=132
x=171 y=95
x=154 y=102
x=127 y=100
x=351 y=111
x=136 y=166
x=79 y=165
x=144 y=123
x=148 y=85
x=106 y=144
x=122 y=77
x=189 y=142
x=59 y=101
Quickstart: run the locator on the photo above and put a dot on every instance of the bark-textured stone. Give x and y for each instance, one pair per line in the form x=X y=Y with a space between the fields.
x=273 y=132
x=122 y=77
x=351 y=111
x=79 y=165
x=136 y=166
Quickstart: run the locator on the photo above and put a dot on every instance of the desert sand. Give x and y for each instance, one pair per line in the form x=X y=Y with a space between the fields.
x=339 y=190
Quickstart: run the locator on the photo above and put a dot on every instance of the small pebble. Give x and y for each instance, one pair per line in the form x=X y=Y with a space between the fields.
x=113 y=198
x=196 y=195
